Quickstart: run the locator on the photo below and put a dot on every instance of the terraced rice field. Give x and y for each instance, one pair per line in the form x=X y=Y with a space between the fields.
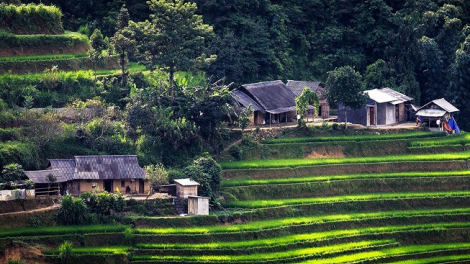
x=394 y=209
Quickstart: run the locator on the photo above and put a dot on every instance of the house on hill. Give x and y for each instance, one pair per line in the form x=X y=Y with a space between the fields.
x=319 y=88
x=105 y=172
x=438 y=115
x=272 y=102
x=383 y=107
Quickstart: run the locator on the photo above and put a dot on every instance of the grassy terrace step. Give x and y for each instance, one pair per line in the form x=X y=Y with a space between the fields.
x=292 y=163
x=276 y=257
x=345 y=187
x=342 y=169
x=44 y=57
x=441 y=259
x=329 y=178
x=381 y=256
x=62 y=230
x=355 y=138
x=455 y=139
x=276 y=242
x=345 y=198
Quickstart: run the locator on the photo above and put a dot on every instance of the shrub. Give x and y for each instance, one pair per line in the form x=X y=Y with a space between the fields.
x=12 y=172
x=157 y=175
x=206 y=171
x=236 y=152
x=65 y=251
x=72 y=211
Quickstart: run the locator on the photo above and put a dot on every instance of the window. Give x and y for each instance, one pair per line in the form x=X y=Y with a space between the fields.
x=123 y=183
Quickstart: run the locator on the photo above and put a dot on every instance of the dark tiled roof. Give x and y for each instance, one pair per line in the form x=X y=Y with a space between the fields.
x=41 y=176
x=67 y=166
x=245 y=100
x=298 y=86
x=441 y=103
x=272 y=97
x=108 y=167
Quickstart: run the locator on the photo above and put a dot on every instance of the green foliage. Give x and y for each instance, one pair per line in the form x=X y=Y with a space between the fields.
x=30 y=19
x=208 y=173
x=103 y=203
x=307 y=98
x=23 y=153
x=344 y=85
x=65 y=252
x=69 y=39
x=12 y=172
x=156 y=174
x=72 y=211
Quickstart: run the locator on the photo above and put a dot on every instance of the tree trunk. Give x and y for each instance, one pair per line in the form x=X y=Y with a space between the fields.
x=123 y=69
x=172 y=84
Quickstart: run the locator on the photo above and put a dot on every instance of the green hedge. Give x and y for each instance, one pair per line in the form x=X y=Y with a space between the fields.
x=30 y=19
x=67 y=40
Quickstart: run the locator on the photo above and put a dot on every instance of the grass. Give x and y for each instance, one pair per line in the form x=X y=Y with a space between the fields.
x=307 y=237
x=391 y=252
x=297 y=221
x=345 y=198
x=456 y=139
x=353 y=138
x=118 y=250
x=44 y=57
x=441 y=259
x=292 y=163
x=236 y=183
x=62 y=230
x=290 y=254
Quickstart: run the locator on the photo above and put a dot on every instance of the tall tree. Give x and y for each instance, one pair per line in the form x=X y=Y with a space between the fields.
x=98 y=44
x=344 y=85
x=175 y=39
x=123 y=42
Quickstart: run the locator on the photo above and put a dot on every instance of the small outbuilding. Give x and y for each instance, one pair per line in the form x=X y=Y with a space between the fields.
x=186 y=187
x=198 y=205
x=383 y=107
x=438 y=116
x=47 y=182
x=297 y=88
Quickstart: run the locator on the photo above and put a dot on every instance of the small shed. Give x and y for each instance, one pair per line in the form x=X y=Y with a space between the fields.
x=297 y=87
x=47 y=182
x=186 y=187
x=437 y=114
x=198 y=205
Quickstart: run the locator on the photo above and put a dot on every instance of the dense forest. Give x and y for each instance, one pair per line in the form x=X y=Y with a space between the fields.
x=417 y=47
x=420 y=48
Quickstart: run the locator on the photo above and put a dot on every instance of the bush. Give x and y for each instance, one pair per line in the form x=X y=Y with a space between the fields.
x=236 y=152
x=72 y=211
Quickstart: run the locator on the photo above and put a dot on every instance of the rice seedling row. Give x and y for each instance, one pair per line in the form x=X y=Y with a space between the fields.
x=345 y=198
x=306 y=220
x=259 y=164
x=456 y=139
x=354 y=138
x=290 y=255
x=62 y=230
x=413 y=174
x=305 y=239
x=388 y=254
x=44 y=57
x=441 y=259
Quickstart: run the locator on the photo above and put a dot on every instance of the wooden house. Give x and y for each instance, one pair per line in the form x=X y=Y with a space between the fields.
x=198 y=205
x=272 y=102
x=48 y=182
x=186 y=187
x=436 y=114
x=106 y=172
x=297 y=88
x=383 y=107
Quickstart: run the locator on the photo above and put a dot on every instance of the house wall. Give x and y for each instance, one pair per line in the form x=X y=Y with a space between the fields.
x=391 y=115
x=184 y=191
x=355 y=116
x=91 y=185
x=402 y=113
x=198 y=205
x=381 y=114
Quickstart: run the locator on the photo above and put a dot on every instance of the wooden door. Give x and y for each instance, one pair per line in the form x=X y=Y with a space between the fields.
x=371 y=116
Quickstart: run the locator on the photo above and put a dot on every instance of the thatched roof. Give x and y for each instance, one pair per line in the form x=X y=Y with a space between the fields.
x=245 y=100
x=273 y=97
x=298 y=86
x=107 y=167
x=41 y=176
x=67 y=166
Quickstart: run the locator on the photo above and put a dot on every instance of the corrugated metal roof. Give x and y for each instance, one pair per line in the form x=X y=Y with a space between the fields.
x=298 y=86
x=67 y=166
x=441 y=103
x=431 y=113
x=108 y=167
x=186 y=182
x=387 y=95
x=41 y=176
